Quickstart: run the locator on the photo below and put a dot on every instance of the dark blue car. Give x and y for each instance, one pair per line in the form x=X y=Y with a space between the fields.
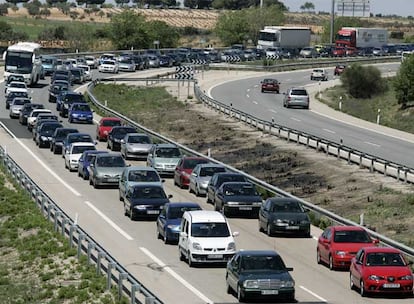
x=168 y=222
x=80 y=112
x=85 y=160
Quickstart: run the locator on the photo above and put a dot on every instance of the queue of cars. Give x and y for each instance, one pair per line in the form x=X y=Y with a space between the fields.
x=197 y=231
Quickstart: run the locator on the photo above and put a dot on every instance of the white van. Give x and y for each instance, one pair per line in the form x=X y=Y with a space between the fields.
x=205 y=237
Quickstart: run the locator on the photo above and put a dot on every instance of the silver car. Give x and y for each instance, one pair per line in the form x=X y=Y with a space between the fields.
x=164 y=158
x=296 y=97
x=106 y=169
x=135 y=145
x=201 y=176
x=17 y=105
x=134 y=175
x=126 y=65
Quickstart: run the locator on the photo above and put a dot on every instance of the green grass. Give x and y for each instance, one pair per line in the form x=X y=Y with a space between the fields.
x=391 y=114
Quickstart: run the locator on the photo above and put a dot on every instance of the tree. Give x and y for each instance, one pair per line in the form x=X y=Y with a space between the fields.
x=403 y=82
x=55 y=2
x=363 y=81
x=121 y=2
x=243 y=25
x=308 y=6
x=3 y=9
x=7 y=33
x=241 y=4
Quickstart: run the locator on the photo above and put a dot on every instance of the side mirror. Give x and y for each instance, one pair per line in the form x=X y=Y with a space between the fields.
x=289 y=268
x=163 y=181
x=375 y=241
x=235 y=233
x=326 y=241
x=194 y=174
x=170 y=195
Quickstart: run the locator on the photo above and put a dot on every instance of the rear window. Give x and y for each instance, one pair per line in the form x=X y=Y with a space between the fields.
x=299 y=92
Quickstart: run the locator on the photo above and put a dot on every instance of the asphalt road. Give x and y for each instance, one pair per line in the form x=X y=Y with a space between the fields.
x=246 y=96
x=134 y=243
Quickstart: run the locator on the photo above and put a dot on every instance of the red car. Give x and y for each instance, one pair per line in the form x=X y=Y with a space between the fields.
x=105 y=126
x=271 y=85
x=339 y=69
x=381 y=270
x=339 y=51
x=339 y=244
x=184 y=168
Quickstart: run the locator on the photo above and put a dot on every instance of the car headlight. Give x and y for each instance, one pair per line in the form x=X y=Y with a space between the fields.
x=197 y=246
x=374 y=277
x=407 y=277
x=44 y=138
x=185 y=174
x=231 y=246
x=75 y=114
x=251 y=284
x=279 y=222
x=159 y=166
x=340 y=253
x=66 y=106
x=174 y=227
x=288 y=283
x=140 y=207
x=74 y=161
x=232 y=203
x=117 y=140
x=105 y=132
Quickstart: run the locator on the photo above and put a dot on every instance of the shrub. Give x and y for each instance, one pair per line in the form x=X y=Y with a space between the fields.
x=363 y=81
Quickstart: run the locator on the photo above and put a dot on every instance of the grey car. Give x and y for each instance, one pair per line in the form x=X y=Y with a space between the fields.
x=126 y=65
x=134 y=175
x=135 y=145
x=201 y=175
x=106 y=169
x=164 y=158
x=17 y=105
x=296 y=97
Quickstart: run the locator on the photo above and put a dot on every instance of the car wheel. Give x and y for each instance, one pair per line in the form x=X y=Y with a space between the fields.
x=90 y=181
x=208 y=200
x=240 y=295
x=79 y=174
x=197 y=193
x=120 y=196
x=268 y=230
x=84 y=177
x=216 y=208
x=260 y=227
x=318 y=257
x=229 y=290
x=166 y=240
x=351 y=283
x=362 y=291
x=125 y=210
x=107 y=145
x=331 y=264
x=131 y=214
x=95 y=185
x=190 y=189
x=159 y=236
x=181 y=255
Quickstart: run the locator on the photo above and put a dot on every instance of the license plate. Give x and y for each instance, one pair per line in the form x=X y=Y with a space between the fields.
x=270 y=292
x=215 y=256
x=391 y=285
x=112 y=180
x=82 y=118
x=292 y=227
x=152 y=212
x=245 y=208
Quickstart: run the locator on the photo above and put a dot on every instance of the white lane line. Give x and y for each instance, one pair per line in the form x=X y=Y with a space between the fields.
x=248 y=90
x=372 y=144
x=273 y=111
x=255 y=86
x=52 y=173
x=329 y=131
x=176 y=276
x=110 y=222
x=255 y=102
x=312 y=293
x=295 y=119
x=289 y=79
x=247 y=95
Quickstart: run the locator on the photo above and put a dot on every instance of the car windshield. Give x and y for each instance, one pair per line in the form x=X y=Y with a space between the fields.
x=64 y=133
x=19 y=85
x=191 y=163
x=50 y=127
x=262 y=263
x=110 y=161
x=83 y=108
x=177 y=212
x=210 y=230
x=108 y=62
x=18 y=94
x=74 y=98
x=80 y=138
x=210 y=171
x=19 y=101
x=111 y=123
x=149 y=193
x=299 y=92
x=122 y=131
x=139 y=140
x=143 y=176
x=385 y=259
x=47 y=60
x=286 y=207
x=167 y=152
x=234 y=190
x=80 y=149
x=352 y=236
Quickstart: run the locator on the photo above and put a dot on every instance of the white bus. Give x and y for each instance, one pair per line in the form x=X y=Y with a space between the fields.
x=23 y=59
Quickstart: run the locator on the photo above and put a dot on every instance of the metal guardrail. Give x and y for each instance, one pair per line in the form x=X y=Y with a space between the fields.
x=105 y=264
x=280 y=131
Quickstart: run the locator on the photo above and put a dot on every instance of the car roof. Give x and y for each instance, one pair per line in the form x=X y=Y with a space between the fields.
x=111 y=118
x=140 y=168
x=228 y=173
x=381 y=249
x=109 y=154
x=237 y=183
x=166 y=146
x=205 y=216
x=183 y=204
x=137 y=134
x=83 y=144
x=347 y=228
x=95 y=152
x=257 y=253
x=283 y=199
x=210 y=165
x=147 y=185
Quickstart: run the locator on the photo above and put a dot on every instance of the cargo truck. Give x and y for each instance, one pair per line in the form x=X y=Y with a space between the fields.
x=360 y=37
x=284 y=37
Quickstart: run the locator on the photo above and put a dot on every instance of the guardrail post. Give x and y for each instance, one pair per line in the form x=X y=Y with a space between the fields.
x=122 y=276
x=327 y=148
x=288 y=135
x=71 y=231
x=49 y=211
x=349 y=157
x=371 y=167
x=111 y=265
x=317 y=144
x=42 y=204
x=91 y=246
x=149 y=300
x=298 y=138
x=385 y=168
x=231 y=110
x=360 y=160
x=98 y=263
x=81 y=237
x=57 y=214
x=405 y=175
x=307 y=141
x=134 y=288
x=64 y=221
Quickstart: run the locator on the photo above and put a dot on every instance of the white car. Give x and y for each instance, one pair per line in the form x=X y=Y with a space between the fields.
x=17 y=105
x=16 y=86
x=91 y=61
x=87 y=75
x=74 y=152
x=31 y=119
x=109 y=66
x=319 y=74
x=205 y=237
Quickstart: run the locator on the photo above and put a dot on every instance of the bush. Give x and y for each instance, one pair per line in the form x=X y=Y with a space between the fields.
x=3 y=9
x=363 y=81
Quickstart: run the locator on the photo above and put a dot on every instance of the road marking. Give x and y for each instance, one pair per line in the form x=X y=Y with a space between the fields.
x=247 y=95
x=273 y=111
x=248 y=90
x=329 y=131
x=255 y=86
x=255 y=102
x=176 y=276
x=289 y=79
x=295 y=119
x=41 y=162
x=372 y=144
x=312 y=293
x=106 y=219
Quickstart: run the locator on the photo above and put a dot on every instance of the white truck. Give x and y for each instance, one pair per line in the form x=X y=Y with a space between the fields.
x=284 y=37
x=361 y=37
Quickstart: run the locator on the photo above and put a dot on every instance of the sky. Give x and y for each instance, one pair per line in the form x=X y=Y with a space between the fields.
x=385 y=7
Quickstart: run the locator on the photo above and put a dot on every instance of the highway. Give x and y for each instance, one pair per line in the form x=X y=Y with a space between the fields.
x=246 y=96
x=134 y=243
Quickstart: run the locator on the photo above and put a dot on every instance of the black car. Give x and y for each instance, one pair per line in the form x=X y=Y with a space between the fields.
x=218 y=179
x=259 y=274
x=61 y=75
x=58 y=137
x=13 y=95
x=77 y=76
x=27 y=108
x=55 y=90
x=44 y=133
x=67 y=100
x=39 y=123
x=237 y=197
x=115 y=136
x=284 y=215
x=146 y=200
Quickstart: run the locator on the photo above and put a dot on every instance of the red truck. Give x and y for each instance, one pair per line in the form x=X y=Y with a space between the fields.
x=361 y=37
